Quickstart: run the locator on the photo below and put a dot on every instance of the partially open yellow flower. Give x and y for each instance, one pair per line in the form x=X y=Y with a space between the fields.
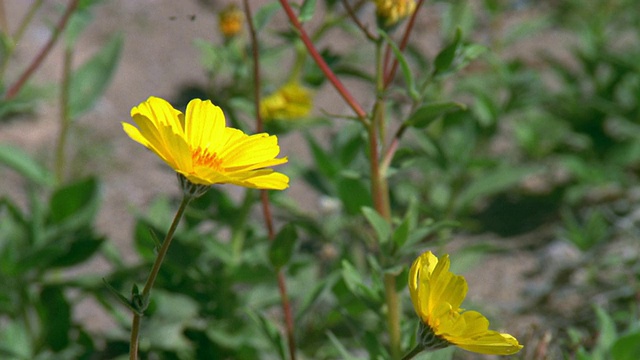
x=230 y=21
x=200 y=147
x=390 y=12
x=437 y=294
x=291 y=101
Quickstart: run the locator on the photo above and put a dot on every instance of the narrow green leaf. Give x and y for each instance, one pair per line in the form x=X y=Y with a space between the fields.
x=270 y=331
x=282 y=246
x=401 y=233
x=22 y=163
x=90 y=81
x=379 y=224
x=56 y=318
x=344 y=353
x=323 y=161
x=264 y=14
x=307 y=10
x=445 y=58
x=427 y=114
x=404 y=66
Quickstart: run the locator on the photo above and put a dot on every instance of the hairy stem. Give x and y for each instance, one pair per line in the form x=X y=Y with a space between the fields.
x=135 y=325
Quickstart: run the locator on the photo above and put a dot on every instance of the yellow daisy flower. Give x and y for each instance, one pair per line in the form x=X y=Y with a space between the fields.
x=291 y=101
x=437 y=294
x=198 y=145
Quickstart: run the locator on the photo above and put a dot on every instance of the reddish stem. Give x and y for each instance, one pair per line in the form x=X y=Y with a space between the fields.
x=264 y=195
x=37 y=61
x=403 y=44
x=346 y=95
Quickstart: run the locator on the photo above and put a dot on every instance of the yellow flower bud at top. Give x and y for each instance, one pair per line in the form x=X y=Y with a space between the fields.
x=291 y=101
x=390 y=12
x=230 y=21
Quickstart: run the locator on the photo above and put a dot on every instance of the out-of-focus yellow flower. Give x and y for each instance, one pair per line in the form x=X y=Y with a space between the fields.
x=390 y=12
x=230 y=21
x=289 y=102
x=437 y=294
x=199 y=146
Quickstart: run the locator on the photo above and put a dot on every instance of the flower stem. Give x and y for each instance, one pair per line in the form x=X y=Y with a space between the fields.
x=135 y=325
x=65 y=116
x=37 y=61
x=415 y=351
x=15 y=39
x=403 y=43
x=380 y=192
x=393 y=315
x=342 y=90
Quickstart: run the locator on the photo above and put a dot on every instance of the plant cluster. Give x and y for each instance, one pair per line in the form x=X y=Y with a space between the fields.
x=461 y=136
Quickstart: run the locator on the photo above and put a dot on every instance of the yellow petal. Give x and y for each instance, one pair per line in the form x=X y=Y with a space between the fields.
x=204 y=125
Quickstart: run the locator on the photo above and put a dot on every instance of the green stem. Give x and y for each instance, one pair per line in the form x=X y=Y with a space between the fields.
x=415 y=351
x=19 y=33
x=65 y=116
x=135 y=326
x=393 y=315
x=380 y=191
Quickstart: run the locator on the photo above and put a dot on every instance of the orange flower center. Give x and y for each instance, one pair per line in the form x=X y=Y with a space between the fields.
x=204 y=158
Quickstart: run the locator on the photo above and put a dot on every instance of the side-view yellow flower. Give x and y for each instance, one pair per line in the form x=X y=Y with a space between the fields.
x=230 y=21
x=199 y=146
x=437 y=294
x=289 y=102
x=390 y=12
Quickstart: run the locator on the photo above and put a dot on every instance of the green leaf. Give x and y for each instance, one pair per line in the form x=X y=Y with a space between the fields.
x=344 y=353
x=401 y=233
x=90 y=81
x=264 y=14
x=282 y=246
x=79 y=249
x=494 y=181
x=404 y=65
x=445 y=58
x=323 y=161
x=307 y=10
x=56 y=318
x=379 y=224
x=626 y=347
x=77 y=201
x=271 y=331
x=607 y=333
x=354 y=194
x=427 y=114
x=22 y=163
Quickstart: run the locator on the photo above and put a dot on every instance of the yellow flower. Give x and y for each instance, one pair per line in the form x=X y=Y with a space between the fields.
x=390 y=12
x=201 y=148
x=290 y=102
x=437 y=294
x=230 y=21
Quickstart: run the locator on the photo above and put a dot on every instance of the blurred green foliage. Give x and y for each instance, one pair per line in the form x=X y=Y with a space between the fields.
x=495 y=142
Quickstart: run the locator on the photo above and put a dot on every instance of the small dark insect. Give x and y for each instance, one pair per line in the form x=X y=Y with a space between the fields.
x=190 y=17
